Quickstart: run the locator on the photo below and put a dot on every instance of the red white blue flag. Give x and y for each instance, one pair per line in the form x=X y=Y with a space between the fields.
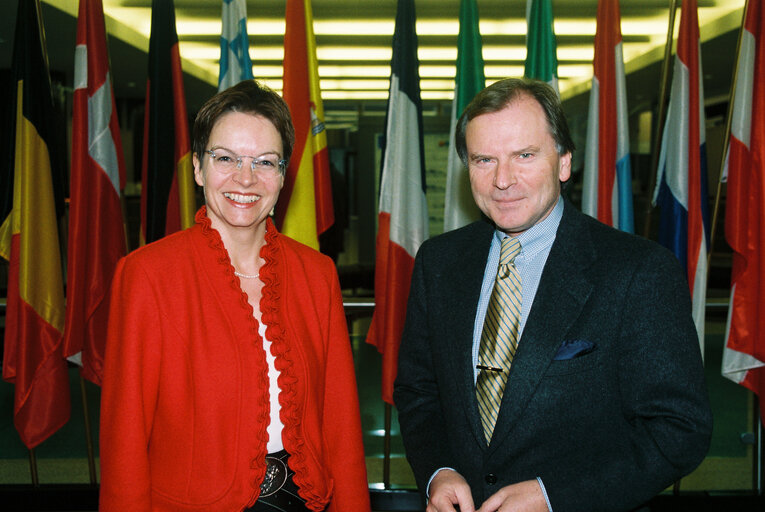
x=403 y=213
x=681 y=185
x=607 y=193
x=744 y=353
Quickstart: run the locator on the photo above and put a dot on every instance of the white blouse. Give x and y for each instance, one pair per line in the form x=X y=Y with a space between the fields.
x=275 y=426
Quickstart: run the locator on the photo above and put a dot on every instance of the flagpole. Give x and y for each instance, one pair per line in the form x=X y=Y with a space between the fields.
x=33 y=467
x=758 y=455
x=88 y=433
x=121 y=191
x=386 y=447
x=43 y=44
x=660 y=117
x=123 y=206
x=726 y=139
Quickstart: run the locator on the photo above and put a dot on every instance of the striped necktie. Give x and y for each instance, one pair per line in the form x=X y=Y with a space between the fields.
x=499 y=338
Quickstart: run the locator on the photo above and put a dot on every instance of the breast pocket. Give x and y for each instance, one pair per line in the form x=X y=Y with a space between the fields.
x=583 y=363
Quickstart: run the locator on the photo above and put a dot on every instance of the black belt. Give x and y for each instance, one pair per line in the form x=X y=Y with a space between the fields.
x=278 y=492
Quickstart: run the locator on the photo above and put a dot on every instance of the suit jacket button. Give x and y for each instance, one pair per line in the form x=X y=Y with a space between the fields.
x=491 y=479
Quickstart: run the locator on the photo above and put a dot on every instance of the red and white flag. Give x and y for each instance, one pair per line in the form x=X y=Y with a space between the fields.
x=403 y=212
x=607 y=192
x=96 y=227
x=744 y=353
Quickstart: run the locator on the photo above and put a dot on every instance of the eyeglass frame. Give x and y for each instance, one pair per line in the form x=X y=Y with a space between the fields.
x=281 y=164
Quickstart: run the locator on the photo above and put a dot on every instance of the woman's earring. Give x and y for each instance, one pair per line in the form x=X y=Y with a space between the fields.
x=273 y=210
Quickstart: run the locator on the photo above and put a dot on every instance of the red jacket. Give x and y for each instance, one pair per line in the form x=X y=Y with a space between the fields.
x=185 y=391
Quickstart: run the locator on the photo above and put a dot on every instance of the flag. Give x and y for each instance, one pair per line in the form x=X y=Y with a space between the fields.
x=304 y=210
x=96 y=227
x=607 y=192
x=681 y=185
x=235 y=64
x=459 y=207
x=167 y=186
x=744 y=352
x=33 y=359
x=541 y=57
x=403 y=210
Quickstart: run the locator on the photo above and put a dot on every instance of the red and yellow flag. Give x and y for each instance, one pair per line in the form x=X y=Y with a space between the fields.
x=167 y=189
x=33 y=359
x=304 y=210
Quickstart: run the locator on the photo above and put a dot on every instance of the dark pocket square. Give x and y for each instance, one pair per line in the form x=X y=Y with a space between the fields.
x=570 y=349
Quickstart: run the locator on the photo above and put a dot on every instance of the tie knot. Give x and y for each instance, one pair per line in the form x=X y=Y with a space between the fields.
x=511 y=246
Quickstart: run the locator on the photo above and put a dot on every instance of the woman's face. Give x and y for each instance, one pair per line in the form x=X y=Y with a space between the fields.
x=242 y=196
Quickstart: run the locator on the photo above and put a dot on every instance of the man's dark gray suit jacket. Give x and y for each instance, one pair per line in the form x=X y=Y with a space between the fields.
x=606 y=427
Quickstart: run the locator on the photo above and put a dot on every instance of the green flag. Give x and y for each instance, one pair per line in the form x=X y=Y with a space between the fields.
x=459 y=207
x=541 y=58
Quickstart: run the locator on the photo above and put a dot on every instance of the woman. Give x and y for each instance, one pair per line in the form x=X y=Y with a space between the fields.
x=228 y=352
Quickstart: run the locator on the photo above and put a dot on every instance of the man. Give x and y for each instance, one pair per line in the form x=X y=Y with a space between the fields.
x=584 y=388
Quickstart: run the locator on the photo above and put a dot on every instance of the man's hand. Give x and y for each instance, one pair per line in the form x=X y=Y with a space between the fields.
x=521 y=497
x=448 y=489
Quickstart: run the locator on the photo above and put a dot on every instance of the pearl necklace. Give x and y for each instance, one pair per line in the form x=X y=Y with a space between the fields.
x=246 y=276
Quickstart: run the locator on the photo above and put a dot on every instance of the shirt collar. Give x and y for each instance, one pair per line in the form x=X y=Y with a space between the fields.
x=541 y=235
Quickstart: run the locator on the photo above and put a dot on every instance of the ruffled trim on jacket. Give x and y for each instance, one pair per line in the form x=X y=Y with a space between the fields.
x=215 y=242
x=291 y=412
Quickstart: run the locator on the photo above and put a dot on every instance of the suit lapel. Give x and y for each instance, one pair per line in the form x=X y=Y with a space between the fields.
x=465 y=275
x=563 y=291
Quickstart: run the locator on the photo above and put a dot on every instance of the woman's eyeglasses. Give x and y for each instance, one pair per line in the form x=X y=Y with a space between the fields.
x=225 y=161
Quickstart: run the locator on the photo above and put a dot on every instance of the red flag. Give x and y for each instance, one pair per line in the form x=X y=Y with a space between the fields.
x=96 y=229
x=167 y=193
x=403 y=217
x=304 y=210
x=34 y=319
x=744 y=354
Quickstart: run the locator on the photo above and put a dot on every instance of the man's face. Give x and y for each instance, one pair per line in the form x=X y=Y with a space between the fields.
x=515 y=170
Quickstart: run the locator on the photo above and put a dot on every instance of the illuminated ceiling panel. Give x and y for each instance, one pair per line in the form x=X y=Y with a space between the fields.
x=354 y=38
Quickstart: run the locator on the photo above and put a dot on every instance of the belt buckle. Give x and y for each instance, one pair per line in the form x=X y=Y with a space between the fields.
x=276 y=476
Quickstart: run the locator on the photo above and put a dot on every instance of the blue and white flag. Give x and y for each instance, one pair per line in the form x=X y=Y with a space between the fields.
x=235 y=63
